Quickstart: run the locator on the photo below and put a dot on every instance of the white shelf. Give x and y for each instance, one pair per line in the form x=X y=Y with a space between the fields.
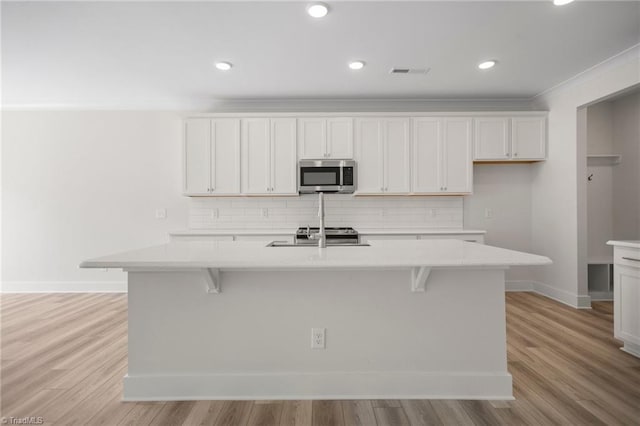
x=603 y=159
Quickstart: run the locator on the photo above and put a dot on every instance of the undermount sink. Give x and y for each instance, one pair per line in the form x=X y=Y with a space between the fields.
x=329 y=244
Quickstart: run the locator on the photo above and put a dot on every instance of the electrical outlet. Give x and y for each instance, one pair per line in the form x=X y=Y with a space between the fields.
x=265 y=212
x=161 y=213
x=488 y=213
x=214 y=214
x=431 y=212
x=318 y=338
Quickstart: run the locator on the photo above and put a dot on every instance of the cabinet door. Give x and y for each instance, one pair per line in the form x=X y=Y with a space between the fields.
x=457 y=159
x=283 y=156
x=197 y=146
x=225 y=156
x=528 y=138
x=256 y=156
x=340 y=138
x=427 y=138
x=492 y=138
x=312 y=138
x=369 y=155
x=397 y=154
x=626 y=303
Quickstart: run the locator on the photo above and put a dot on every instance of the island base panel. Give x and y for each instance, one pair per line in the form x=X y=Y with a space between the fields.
x=253 y=339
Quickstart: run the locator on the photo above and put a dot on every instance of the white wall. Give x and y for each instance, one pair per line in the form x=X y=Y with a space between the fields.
x=505 y=189
x=83 y=184
x=599 y=136
x=626 y=175
x=600 y=128
x=613 y=212
x=559 y=192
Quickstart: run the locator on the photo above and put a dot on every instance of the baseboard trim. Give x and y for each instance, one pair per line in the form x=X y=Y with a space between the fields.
x=323 y=385
x=519 y=285
x=571 y=299
x=564 y=297
x=601 y=296
x=63 y=287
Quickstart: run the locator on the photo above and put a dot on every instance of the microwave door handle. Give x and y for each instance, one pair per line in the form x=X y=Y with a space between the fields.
x=341 y=171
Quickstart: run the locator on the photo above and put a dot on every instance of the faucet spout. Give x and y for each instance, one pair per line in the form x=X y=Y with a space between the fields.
x=322 y=235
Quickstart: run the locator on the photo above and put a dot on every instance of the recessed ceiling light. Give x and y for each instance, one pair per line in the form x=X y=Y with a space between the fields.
x=223 y=66
x=356 y=65
x=318 y=10
x=486 y=65
x=561 y=2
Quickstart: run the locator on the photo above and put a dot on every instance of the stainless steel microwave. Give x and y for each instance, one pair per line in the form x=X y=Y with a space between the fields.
x=326 y=176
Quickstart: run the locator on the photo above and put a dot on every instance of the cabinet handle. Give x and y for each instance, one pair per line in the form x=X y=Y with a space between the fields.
x=272 y=189
x=631 y=258
x=515 y=154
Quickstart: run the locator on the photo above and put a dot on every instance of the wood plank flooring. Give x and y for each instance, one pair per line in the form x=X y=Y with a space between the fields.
x=63 y=357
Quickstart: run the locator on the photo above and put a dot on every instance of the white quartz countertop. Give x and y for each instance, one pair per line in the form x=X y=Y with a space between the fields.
x=363 y=231
x=625 y=243
x=255 y=255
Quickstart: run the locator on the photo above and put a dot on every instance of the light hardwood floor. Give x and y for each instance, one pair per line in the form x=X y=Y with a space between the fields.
x=64 y=355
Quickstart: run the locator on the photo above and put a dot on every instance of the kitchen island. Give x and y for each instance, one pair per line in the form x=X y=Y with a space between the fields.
x=234 y=320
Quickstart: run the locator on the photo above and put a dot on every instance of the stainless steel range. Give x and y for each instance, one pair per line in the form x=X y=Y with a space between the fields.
x=334 y=236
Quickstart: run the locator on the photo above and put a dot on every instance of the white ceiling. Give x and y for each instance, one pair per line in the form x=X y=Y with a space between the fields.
x=119 y=54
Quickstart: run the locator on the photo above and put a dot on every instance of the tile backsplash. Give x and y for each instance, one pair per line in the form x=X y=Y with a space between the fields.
x=340 y=210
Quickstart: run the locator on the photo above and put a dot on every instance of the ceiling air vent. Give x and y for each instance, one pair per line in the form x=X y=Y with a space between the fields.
x=409 y=70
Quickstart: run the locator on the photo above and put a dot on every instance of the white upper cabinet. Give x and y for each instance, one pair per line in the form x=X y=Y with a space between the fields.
x=269 y=156
x=457 y=154
x=325 y=138
x=442 y=155
x=492 y=138
x=397 y=156
x=212 y=156
x=256 y=156
x=340 y=138
x=521 y=138
x=427 y=144
x=528 y=138
x=284 y=167
x=369 y=155
x=383 y=155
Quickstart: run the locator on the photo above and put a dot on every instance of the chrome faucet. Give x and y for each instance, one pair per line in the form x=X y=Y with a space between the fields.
x=321 y=236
